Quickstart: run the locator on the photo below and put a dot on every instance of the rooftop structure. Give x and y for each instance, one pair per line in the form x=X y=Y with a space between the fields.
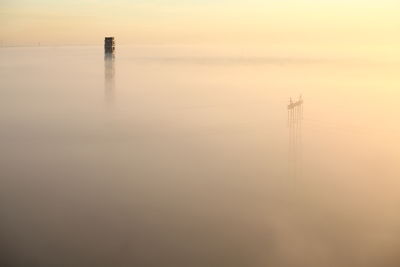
x=109 y=45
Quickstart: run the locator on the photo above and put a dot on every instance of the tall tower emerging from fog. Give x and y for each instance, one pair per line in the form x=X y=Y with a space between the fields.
x=109 y=68
x=295 y=117
x=109 y=45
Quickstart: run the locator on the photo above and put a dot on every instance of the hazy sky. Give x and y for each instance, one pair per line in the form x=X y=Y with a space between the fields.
x=302 y=22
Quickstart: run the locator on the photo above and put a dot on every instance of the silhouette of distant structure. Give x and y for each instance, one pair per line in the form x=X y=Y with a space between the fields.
x=295 y=117
x=109 y=45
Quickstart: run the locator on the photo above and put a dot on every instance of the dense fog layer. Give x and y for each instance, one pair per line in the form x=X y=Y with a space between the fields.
x=173 y=156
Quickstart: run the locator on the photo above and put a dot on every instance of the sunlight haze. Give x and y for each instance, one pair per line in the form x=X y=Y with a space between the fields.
x=304 y=25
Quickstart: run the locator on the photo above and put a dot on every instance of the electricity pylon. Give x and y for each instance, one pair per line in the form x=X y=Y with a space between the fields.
x=295 y=117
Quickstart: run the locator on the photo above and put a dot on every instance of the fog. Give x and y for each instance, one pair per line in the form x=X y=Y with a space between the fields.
x=177 y=156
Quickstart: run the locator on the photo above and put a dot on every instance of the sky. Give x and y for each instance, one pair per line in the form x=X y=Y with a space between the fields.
x=360 y=24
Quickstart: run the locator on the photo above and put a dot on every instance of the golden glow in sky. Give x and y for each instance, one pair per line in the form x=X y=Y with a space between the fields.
x=329 y=23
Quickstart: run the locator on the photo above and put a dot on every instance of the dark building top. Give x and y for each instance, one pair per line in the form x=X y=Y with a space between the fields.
x=109 y=44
